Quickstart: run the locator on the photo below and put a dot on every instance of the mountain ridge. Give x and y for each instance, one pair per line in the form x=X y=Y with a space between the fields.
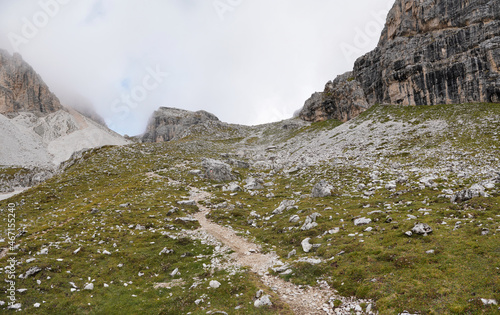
x=429 y=53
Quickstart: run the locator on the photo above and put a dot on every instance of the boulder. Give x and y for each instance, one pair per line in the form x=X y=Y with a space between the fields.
x=322 y=189
x=362 y=221
x=263 y=301
x=310 y=222
x=421 y=229
x=254 y=184
x=474 y=191
x=306 y=246
x=217 y=170
x=284 y=205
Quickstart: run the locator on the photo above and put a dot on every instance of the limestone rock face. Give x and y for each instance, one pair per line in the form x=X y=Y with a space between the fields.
x=343 y=99
x=430 y=52
x=22 y=89
x=171 y=123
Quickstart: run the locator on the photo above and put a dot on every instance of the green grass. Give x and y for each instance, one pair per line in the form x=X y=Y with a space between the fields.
x=388 y=267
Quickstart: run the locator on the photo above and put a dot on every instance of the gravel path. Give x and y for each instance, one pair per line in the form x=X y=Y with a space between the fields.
x=302 y=299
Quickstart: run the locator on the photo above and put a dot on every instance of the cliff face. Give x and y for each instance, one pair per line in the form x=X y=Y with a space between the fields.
x=170 y=123
x=430 y=52
x=22 y=89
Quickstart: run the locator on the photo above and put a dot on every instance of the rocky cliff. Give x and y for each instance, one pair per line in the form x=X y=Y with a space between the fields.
x=430 y=52
x=171 y=123
x=35 y=129
x=22 y=89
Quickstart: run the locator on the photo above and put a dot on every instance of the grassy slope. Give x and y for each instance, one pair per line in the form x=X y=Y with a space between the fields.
x=387 y=266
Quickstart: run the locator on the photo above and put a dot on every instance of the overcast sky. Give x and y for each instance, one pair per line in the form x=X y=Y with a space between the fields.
x=246 y=61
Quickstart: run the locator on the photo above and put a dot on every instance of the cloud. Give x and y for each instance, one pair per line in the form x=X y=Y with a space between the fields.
x=250 y=62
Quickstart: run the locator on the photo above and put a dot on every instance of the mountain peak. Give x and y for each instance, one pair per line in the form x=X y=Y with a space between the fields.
x=430 y=52
x=22 y=89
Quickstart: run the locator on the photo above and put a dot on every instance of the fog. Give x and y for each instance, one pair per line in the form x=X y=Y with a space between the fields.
x=247 y=62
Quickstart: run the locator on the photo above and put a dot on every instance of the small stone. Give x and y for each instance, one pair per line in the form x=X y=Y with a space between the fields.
x=391 y=185
x=431 y=251
x=166 y=251
x=89 y=286
x=306 y=246
x=175 y=272
x=36 y=305
x=214 y=284
x=16 y=306
x=422 y=229
x=408 y=233
x=362 y=221
x=292 y=253
x=44 y=251
x=105 y=252
x=489 y=302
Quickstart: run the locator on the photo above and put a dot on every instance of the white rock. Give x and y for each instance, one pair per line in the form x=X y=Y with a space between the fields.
x=391 y=185
x=105 y=252
x=89 y=286
x=44 y=251
x=214 y=284
x=362 y=221
x=306 y=246
x=175 y=272
x=489 y=302
x=37 y=305
x=422 y=229
x=16 y=306
x=77 y=250
x=263 y=301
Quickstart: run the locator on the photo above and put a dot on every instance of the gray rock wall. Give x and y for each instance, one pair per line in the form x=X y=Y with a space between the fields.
x=22 y=89
x=430 y=52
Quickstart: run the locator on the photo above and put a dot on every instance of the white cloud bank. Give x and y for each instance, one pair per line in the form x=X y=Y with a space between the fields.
x=246 y=61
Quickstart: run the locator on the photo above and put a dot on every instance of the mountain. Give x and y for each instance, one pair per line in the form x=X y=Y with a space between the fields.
x=395 y=211
x=22 y=89
x=36 y=130
x=430 y=52
x=168 y=123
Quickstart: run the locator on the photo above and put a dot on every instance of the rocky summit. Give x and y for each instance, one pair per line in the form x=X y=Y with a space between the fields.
x=171 y=123
x=22 y=89
x=430 y=52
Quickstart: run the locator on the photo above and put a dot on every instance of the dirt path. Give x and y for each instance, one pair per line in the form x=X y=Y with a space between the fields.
x=302 y=300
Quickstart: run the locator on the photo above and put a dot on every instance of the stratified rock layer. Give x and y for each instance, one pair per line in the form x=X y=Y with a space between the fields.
x=22 y=89
x=430 y=52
